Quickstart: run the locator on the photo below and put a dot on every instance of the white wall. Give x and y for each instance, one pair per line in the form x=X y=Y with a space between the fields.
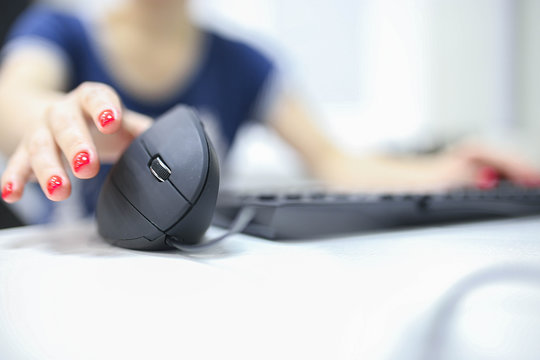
x=473 y=67
x=528 y=66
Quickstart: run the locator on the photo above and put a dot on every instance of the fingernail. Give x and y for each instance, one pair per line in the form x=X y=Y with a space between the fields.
x=80 y=160
x=7 y=190
x=487 y=178
x=54 y=183
x=106 y=117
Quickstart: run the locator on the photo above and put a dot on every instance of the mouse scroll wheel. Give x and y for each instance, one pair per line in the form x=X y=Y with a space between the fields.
x=159 y=169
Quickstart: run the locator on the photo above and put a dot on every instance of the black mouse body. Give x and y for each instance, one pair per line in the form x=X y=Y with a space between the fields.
x=164 y=185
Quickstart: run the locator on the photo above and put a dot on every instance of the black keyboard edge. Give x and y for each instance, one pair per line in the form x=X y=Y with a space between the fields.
x=315 y=214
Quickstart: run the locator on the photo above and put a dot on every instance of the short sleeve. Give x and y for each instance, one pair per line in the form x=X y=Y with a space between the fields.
x=244 y=72
x=235 y=83
x=259 y=80
x=44 y=26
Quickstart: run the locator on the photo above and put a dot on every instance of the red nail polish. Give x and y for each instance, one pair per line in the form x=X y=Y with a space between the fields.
x=54 y=182
x=7 y=190
x=106 y=117
x=487 y=178
x=80 y=160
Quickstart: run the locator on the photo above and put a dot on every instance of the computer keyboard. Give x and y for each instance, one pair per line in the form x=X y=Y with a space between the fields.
x=312 y=213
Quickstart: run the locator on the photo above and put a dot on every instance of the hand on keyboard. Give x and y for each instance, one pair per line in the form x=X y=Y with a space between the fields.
x=465 y=165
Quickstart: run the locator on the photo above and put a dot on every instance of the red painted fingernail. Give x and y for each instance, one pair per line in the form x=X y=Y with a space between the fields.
x=106 y=117
x=80 y=160
x=54 y=183
x=487 y=178
x=7 y=190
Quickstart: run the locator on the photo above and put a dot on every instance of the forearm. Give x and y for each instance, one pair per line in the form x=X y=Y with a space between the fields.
x=295 y=125
x=328 y=162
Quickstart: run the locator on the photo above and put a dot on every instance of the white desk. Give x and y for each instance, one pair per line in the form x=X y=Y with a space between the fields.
x=65 y=294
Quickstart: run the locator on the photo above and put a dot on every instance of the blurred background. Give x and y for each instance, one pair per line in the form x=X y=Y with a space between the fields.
x=391 y=74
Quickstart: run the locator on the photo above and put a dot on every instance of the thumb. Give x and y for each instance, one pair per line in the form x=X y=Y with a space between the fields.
x=135 y=123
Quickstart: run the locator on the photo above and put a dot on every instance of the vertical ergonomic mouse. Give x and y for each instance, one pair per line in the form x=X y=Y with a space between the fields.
x=164 y=187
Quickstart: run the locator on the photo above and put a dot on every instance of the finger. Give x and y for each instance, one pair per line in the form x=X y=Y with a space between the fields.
x=512 y=169
x=135 y=123
x=507 y=164
x=15 y=175
x=71 y=133
x=101 y=103
x=487 y=178
x=47 y=165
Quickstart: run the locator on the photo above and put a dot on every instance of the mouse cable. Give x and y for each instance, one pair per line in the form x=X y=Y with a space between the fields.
x=240 y=222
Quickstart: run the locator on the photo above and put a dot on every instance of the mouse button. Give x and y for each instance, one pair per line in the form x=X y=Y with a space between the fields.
x=180 y=142
x=158 y=201
x=159 y=169
x=117 y=219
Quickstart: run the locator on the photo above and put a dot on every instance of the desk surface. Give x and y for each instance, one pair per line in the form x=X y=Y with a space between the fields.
x=457 y=291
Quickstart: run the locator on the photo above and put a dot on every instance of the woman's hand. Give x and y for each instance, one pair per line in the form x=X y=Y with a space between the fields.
x=80 y=125
x=465 y=165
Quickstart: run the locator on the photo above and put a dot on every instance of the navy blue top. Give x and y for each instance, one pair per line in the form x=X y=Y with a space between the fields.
x=226 y=84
